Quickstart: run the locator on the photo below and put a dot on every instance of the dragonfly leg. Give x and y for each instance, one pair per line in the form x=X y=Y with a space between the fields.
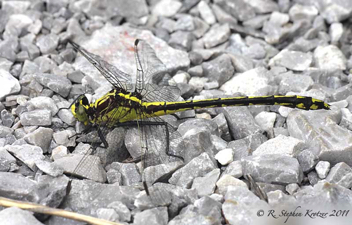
x=102 y=138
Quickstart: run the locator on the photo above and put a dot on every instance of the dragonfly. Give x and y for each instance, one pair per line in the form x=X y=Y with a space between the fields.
x=142 y=103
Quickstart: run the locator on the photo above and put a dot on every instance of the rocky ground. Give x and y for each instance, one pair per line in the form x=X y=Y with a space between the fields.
x=301 y=159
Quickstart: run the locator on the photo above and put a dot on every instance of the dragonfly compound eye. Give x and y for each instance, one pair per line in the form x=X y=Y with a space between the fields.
x=84 y=100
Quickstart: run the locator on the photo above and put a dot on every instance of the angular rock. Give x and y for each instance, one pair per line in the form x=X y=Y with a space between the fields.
x=58 y=84
x=87 y=166
x=293 y=60
x=134 y=8
x=295 y=83
x=262 y=7
x=322 y=169
x=336 y=11
x=255 y=51
x=224 y=156
x=217 y=34
x=301 y=12
x=206 y=13
x=329 y=58
x=41 y=137
x=129 y=172
x=7 y=118
x=222 y=16
x=273 y=168
x=234 y=169
x=240 y=121
x=336 y=31
x=206 y=185
x=155 y=173
x=17 y=25
x=247 y=145
x=266 y=120
x=281 y=145
x=166 y=8
x=108 y=214
x=342 y=93
x=191 y=218
x=48 y=43
x=14 y=215
x=241 y=206
x=49 y=168
x=240 y=9
x=201 y=27
x=122 y=210
x=278 y=198
x=8 y=84
x=198 y=166
x=313 y=177
x=227 y=181
x=200 y=125
x=307 y=159
x=219 y=69
x=340 y=174
x=88 y=196
x=292 y=188
x=52 y=190
x=113 y=176
x=15 y=7
x=185 y=22
x=181 y=40
x=320 y=131
x=154 y=216
x=36 y=118
x=324 y=194
x=252 y=82
x=256 y=22
x=16 y=186
x=220 y=120
x=58 y=152
x=28 y=154
x=210 y=208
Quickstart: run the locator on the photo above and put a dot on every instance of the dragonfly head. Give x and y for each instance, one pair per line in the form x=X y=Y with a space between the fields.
x=80 y=109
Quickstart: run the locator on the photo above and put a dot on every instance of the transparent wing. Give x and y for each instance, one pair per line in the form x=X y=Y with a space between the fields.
x=155 y=93
x=160 y=143
x=150 y=72
x=150 y=69
x=115 y=76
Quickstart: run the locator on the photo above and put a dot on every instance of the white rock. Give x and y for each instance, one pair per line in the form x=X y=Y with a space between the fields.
x=266 y=120
x=251 y=82
x=281 y=145
x=167 y=8
x=322 y=168
x=228 y=180
x=206 y=13
x=329 y=58
x=225 y=156
x=8 y=84
x=336 y=31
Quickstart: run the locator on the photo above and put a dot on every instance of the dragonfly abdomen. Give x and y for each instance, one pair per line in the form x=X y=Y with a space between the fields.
x=293 y=101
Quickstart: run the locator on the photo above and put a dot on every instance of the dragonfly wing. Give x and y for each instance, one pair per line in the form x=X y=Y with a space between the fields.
x=155 y=93
x=115 y=76
x=150 y=72
x=150 y=69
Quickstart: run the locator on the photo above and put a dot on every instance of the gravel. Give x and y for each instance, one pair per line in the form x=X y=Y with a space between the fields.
x=211 y=49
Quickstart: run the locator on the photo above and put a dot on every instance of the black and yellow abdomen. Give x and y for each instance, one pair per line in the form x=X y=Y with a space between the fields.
x=294 y=101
